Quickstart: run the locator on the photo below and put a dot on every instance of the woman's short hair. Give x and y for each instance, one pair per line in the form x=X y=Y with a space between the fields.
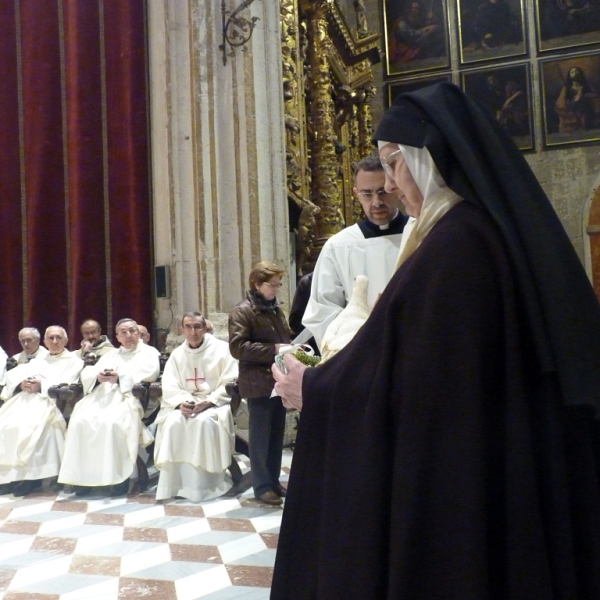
x=264 y=271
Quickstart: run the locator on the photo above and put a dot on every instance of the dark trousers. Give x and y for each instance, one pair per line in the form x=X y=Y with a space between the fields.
x=267 y=427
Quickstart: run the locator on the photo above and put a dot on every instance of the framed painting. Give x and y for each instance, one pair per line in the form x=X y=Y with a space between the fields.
x=416 y=36
x=571 y=100
x=567 y=23
x=395 y=88
x=506 y=92
x=491 y=30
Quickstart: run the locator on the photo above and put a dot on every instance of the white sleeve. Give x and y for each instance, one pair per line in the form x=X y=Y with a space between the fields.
x=327 y=295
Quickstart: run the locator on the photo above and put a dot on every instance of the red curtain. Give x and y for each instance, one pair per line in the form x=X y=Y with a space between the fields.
x=75 y=212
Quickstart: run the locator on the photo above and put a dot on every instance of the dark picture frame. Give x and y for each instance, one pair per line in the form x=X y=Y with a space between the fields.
x=416 y=36
x=395 y=88
x=571 y=100
x=491 y=30
x=567 y=24
x=506 y=92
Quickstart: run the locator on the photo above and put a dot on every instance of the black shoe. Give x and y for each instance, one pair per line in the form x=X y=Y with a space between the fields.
x=82 y=490
x=270 y=497
x=26 y=487
x=7 y=488
x=120 y=489
x=236 y=472
x=280 y=490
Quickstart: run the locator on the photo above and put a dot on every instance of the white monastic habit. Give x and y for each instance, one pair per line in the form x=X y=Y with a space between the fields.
x=106 y=429
x=3 y=359
x=32 y=429
x=193 y=453
x=22 y=357
x=344 y=256
x=103 y=347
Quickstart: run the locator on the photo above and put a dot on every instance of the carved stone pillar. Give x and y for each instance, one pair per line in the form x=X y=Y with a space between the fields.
x=218 y=151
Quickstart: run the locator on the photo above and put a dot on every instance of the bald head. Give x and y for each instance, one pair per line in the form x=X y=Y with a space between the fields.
x=91 y=332
x=144 y=334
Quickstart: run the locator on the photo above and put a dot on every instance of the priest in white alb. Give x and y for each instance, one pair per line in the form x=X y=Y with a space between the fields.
x=32 y=429
x=29 y=338
x=195 y=436
x=106 y=429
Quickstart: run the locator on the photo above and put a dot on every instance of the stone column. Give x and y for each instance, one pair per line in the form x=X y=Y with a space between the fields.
x=218 y=155
x=174 y=204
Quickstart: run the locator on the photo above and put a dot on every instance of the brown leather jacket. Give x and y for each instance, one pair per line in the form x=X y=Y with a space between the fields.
x=254 y=329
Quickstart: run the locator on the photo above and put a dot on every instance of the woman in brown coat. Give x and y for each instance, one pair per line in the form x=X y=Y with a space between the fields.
x=257 y=328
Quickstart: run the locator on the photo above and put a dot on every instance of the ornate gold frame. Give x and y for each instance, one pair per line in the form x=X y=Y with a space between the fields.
x=327 y=88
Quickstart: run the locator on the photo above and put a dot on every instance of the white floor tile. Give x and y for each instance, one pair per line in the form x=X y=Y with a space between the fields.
x=239 y=548
x=40 y=572
x=202 y=584
x=181 y=532
x=145 y=559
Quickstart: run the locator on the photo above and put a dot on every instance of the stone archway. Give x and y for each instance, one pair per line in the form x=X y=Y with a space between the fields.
x=593 y=231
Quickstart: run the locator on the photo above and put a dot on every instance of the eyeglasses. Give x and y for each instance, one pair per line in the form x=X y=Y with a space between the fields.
x=368 y=195
x=273 y=285
x=387 y=162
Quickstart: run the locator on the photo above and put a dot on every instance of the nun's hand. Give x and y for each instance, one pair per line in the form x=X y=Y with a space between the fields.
x=289 y=386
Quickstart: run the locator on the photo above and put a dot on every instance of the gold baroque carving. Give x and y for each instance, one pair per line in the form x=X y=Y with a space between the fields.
x=293 y=55
x=327 y=89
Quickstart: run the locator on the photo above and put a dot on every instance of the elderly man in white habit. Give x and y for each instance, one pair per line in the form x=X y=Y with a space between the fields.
x=195 y=437
x=3 y=359
x=32 y=428
x=106 y=429
x=29 y=338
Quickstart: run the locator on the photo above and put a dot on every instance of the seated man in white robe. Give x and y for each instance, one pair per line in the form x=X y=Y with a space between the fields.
x=106 y=429
x=93 y=344
x=3 y=359
x=29 y=338
x=32 y=428
x=195 y=436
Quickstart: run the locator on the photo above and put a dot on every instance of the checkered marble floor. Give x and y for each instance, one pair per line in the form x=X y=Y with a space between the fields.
x=55 y=546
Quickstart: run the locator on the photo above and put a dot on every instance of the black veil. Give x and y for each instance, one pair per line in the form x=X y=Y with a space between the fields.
x=480 y=162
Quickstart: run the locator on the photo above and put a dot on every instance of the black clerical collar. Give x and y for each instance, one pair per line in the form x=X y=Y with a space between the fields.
x=396 y=225
x=196 y=347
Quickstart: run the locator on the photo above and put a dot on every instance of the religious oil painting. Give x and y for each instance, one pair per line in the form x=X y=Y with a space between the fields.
x=506 y=92
x=491 y=30
x=571 y=99
x=416 y=36
x=567 y=23
x=395 y=88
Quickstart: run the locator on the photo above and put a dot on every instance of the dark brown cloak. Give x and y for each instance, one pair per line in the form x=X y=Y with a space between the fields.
x=434 y=459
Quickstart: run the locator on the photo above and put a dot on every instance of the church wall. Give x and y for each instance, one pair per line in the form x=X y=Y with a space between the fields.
x=566 y=174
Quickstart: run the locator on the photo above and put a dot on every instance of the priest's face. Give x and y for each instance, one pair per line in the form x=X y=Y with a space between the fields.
x=91 y=332
x=55 y=340
x=128 y=334
x=193 y=329
x=380 y=207
x=144 y=335
x=29 y=342
x=399 y=179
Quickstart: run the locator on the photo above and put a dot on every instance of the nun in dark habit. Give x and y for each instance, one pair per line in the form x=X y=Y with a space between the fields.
x=450 y=450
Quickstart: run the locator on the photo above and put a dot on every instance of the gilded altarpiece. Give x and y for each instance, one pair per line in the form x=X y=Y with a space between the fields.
x=327 y=89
